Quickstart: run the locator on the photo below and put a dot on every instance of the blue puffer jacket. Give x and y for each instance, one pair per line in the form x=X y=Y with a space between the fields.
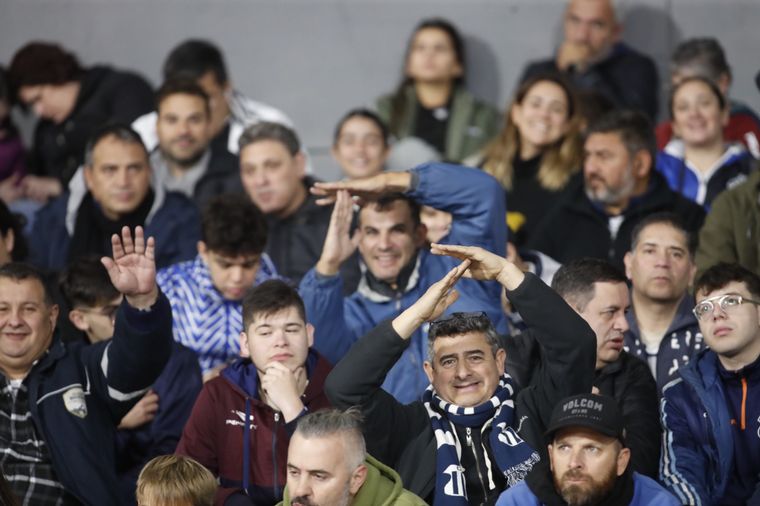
x=731 y=170
x=78 y=393
x=476 y=201
x=698 y=444
x=646 y=492
x=173 y=221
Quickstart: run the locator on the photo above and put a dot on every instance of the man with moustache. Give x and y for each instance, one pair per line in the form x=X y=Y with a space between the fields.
x=598 y=292
x=618 y=188
x=662 y=329
x=711 y=412
x=589 y=461
x=184 y=160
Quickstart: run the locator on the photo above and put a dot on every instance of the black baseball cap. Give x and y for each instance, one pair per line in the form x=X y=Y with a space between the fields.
x=599 y=413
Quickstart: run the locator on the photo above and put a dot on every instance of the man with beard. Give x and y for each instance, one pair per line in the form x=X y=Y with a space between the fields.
x=184 y=161
x=618 y=188
x=589 y=461
x=328 y=465
x=662 y=328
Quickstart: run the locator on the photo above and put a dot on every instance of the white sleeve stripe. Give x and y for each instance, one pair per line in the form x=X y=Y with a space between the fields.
x=112 y=392
x=104 y=361
x=670 y=475
x=122 y=397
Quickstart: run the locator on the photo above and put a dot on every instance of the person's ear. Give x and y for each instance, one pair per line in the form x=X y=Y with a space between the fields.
x=244 y=345
x=300 y=164
x=310 y=334
x=203 y=251
x=358 y=477
x=428 y=370
x=642 y=163
x=77 y=318
x=622 y=461
x=627 y=260
x=501 y=358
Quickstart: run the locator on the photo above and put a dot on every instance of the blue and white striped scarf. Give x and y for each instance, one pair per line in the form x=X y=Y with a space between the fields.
x=514 y=457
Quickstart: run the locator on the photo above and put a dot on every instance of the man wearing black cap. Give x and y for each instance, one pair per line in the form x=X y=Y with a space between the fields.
x=589 y=461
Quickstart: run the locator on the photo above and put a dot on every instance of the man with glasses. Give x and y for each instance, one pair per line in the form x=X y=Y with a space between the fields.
x=711 y=412
x=472 y=435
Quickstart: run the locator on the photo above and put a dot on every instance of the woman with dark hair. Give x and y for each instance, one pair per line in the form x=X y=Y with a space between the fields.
x=537 y=151
x=71 y=102
x=12 y=241
x=698 y=163
x=431 y=103
x=360 y=144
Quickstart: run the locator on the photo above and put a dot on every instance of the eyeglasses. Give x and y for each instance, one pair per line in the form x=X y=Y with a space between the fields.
x=726 y=303
x=456 y=317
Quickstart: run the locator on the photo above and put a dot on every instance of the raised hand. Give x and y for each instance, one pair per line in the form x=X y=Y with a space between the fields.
x=367 y=188
x=432 y=304
x=484 y=265
x=339 y=245
x=133 y=267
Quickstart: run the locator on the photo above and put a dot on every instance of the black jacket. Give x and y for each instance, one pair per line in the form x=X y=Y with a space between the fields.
x=629 y=380
x=401 y=435
x=575 y=228
x=294 y=243
x=106 y=95
x=222 y=176
x=626 y=78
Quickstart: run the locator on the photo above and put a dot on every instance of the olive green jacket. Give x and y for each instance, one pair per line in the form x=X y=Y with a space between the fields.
x=731 y=232
x=382 y=487
x=472 y=123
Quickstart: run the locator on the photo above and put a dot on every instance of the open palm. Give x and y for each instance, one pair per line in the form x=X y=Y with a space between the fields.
x=133 y=267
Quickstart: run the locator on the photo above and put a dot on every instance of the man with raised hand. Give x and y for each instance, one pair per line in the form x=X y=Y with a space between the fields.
x=472 y=435
x=62 y=401
x=399 y=268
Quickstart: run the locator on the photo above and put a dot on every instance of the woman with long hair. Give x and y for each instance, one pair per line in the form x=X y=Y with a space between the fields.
x=698 y=163
x=537 y=151
x=432 y=103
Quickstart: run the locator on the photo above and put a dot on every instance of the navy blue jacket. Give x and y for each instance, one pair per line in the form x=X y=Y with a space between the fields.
x=173 y=221
x=697 y=458
x=680 y=343
x=177 y=387
x=78 y=393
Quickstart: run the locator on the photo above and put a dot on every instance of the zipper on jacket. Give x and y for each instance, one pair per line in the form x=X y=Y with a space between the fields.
x=477 y=461
x=275 y=486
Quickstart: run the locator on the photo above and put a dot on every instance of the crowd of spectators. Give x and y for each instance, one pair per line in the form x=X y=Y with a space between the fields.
x=554 y=305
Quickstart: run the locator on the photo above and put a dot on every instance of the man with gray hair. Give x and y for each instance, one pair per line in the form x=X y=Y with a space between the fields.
x=328 y=464
x=117 y=193
x=273 y=171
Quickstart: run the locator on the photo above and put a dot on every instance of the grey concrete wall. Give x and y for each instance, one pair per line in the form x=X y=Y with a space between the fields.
x=315 y=59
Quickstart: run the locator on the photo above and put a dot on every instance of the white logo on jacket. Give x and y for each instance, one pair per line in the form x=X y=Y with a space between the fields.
x=75 y=402
x=241 y=422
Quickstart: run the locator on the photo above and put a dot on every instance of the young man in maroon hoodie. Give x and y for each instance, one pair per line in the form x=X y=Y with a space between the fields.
x=241 y=423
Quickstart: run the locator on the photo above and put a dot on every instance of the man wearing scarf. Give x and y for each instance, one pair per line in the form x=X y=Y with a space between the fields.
x=117 y=193
x=473 y=434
